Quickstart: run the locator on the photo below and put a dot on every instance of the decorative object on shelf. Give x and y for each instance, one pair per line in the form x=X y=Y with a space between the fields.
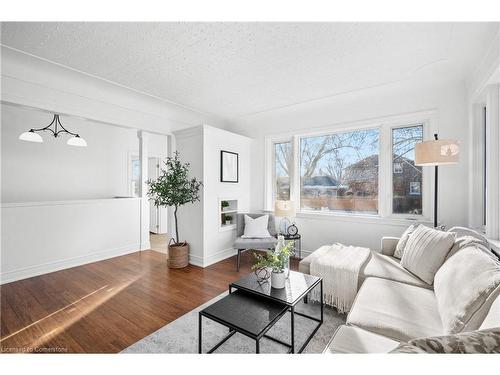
x=224 y=205
x=278 y=261
x=292 y=230
x=229 y=166
x=174 y=188
x=229 y=218
x=434 y=153
x=285 y=210
x=56 y=128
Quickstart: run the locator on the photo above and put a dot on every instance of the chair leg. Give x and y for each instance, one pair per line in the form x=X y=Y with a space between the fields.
x=238 y=260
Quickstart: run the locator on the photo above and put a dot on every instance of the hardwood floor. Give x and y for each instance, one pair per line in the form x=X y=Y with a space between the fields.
x=104 y=307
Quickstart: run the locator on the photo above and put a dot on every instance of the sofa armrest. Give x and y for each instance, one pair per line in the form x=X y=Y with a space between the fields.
x=388 y=245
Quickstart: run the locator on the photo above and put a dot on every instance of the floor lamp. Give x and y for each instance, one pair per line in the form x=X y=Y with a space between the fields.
x=435 y=153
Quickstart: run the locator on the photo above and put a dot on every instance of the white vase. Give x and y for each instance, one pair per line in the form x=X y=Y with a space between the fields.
x=278 y=280
x=228 y=222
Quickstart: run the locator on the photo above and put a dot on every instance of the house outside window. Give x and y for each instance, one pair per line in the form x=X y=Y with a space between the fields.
x=407 y=179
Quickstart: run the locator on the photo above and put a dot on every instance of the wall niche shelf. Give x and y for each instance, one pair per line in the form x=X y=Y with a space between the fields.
x=228 y=208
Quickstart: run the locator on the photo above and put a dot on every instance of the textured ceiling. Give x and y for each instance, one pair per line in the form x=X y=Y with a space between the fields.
x=236 y=69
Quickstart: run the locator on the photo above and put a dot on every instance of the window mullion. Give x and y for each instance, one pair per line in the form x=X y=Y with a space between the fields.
x=385 y=175
x=295 y=173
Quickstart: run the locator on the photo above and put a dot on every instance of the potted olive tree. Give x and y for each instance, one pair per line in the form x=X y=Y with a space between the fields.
x=174 y=188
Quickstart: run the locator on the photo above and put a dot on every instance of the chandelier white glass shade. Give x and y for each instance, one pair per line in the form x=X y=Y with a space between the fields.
x=31 y=136
x=56 y=128
x=77 y=141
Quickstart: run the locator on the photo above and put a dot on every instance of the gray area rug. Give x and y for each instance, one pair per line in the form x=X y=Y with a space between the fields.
x=181 y=335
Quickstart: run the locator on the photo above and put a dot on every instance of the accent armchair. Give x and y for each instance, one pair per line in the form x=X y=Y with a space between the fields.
x=243 y=244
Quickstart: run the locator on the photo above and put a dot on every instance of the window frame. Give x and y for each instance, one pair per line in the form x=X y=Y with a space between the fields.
x=428 y=119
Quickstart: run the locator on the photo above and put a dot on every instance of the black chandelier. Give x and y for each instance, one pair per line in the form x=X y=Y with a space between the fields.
x=56 y=128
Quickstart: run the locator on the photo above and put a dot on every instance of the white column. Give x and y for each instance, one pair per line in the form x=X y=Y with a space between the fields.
x=143 y=158
x=493 y=162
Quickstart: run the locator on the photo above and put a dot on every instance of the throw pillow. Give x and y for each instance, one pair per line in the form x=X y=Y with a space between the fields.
x=400 y=247
x=426 y=251
x=476 y=342
x=466 y=286
x=256 y=228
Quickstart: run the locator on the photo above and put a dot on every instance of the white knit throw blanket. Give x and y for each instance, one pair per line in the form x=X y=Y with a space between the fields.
x=339 y=267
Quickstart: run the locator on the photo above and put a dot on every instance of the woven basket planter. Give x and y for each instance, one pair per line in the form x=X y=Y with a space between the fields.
x=178 y=255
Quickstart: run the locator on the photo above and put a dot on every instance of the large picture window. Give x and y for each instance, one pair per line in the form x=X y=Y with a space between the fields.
x=339 y=172
x=367 y=169
x=406 y=176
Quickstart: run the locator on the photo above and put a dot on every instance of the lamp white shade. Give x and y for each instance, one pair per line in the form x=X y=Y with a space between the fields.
x=77 y=141
x=437 y=152
x=284 y=208
x=31 y=136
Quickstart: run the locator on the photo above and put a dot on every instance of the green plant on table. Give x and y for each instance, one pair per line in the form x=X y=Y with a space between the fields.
x=224 y=204
x=228 y=217
x=276 y=260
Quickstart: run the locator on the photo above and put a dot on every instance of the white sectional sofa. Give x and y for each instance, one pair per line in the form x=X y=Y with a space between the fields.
x=393 y=306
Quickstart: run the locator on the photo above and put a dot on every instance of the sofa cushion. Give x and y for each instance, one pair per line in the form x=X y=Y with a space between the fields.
x=349 y=339
x=396 y=310
x=400 y=247
x=389 y=268
x=378 y=265
x=464 y=286
x=426 y=251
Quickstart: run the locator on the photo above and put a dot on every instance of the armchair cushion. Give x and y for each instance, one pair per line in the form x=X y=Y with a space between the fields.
x=255 y=243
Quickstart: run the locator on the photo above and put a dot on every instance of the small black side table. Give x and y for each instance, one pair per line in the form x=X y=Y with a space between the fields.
x=296 y=239
x=245 y=313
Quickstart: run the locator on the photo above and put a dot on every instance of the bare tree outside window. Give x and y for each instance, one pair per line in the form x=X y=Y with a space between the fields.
x=339 y=172
x=282 y=168
x=406 y=177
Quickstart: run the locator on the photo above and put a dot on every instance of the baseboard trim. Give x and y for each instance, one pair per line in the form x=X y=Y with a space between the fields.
x=41 y=269
x=220 y=255
x=196 y=260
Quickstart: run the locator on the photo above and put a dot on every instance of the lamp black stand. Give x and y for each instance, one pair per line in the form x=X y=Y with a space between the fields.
x=435 y=191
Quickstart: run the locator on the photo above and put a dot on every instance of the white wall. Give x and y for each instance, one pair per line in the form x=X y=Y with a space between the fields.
x=199 y=222
x=218 y=244
x=447 y=98
x=49 y=236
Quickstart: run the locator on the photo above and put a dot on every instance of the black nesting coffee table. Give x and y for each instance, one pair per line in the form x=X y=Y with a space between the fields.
x=252 y=308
